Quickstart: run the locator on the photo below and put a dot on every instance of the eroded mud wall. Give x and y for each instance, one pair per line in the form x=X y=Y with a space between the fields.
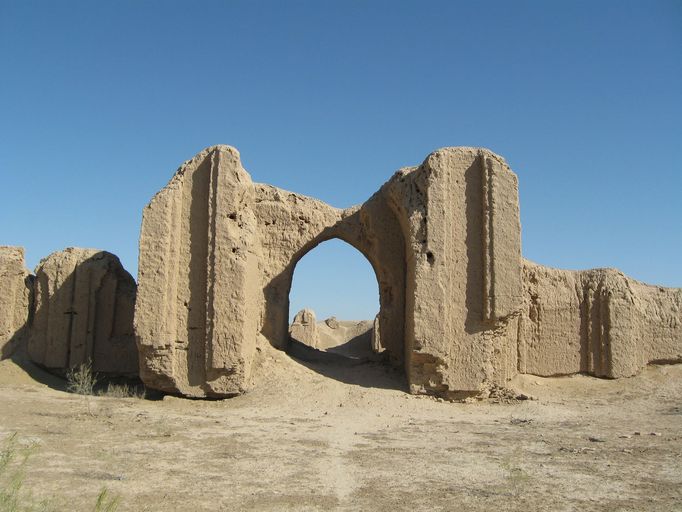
x=443 y=240
x=459 y=213
x=304 y=328
x=16 y=290
x=199 y=294
x=596 y=321
x=84 y=304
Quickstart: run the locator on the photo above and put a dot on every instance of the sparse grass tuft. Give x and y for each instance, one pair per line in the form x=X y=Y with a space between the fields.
x=11 y=479
x=106 y=502
x=81 y=379
x=122 y=391
x=515 y=476
x=13 y=459
x=14 y=497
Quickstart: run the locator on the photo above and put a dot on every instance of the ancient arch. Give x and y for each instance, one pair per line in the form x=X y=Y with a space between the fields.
x=460 y=309
x=386 y=314
x=217 y=254
x=348 y=264
x=371 y=229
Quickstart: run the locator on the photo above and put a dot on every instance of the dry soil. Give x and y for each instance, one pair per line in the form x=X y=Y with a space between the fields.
x=348 y=437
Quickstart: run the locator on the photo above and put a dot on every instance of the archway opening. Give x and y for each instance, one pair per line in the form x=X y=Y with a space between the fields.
x=333 y=307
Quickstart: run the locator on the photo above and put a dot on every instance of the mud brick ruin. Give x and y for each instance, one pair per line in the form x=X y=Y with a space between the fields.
x=460 y=309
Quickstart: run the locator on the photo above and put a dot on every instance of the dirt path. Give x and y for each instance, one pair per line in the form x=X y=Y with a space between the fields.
x=311 y=441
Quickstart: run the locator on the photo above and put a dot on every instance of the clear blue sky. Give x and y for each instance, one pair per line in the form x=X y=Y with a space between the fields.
x=101 y=101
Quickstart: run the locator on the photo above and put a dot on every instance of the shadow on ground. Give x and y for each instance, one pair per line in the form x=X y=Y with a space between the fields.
x=372 y=372
x=38 y=374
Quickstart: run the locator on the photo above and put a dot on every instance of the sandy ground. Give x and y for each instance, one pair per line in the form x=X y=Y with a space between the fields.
x=349 y=438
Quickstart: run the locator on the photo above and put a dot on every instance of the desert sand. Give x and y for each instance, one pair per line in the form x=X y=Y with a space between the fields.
x=320 y=436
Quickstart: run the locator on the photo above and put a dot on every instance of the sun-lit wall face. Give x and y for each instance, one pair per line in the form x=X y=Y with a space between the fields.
x=335 y=279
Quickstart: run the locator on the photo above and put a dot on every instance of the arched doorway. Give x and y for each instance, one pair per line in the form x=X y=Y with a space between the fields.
x=372 y=230
x=334 y=304
x=335 y=321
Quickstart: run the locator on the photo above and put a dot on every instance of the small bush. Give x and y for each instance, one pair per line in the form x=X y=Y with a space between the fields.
x=81 y=380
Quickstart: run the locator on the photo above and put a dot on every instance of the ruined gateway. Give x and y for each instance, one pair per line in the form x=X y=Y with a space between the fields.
x=460 y=309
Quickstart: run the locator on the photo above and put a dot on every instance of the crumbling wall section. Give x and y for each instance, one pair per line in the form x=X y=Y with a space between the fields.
x=459 y=214
x=16 y=296
x=304 y=328
x=595 y=321
x=198 y=307
x=84 y=305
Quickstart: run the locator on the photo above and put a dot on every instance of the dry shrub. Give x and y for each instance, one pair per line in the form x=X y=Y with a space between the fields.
x=81 y=380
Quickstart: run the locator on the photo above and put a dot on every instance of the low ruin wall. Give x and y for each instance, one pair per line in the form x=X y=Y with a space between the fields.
x=596 y=321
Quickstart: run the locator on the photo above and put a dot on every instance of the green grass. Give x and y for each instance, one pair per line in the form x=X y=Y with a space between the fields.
x=105 y=502
x=15 y=497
